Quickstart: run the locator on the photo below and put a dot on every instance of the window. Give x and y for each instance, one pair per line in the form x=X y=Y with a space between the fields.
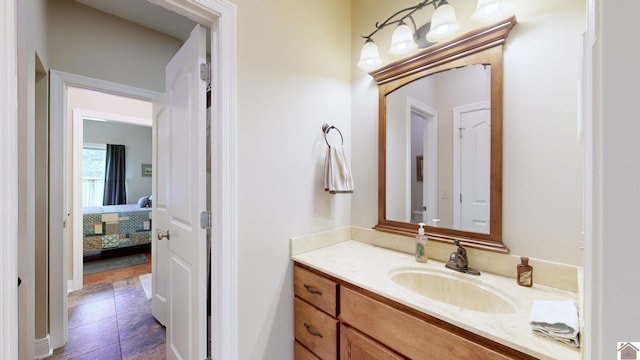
x=93 y=164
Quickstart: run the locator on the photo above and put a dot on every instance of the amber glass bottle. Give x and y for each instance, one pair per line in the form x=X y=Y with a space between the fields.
x=525 y=272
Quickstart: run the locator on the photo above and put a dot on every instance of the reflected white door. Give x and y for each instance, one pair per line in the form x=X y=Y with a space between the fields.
x=474 y=174
x=180 y=291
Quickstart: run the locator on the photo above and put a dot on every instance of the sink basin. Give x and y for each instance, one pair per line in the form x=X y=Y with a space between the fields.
x=462 y=293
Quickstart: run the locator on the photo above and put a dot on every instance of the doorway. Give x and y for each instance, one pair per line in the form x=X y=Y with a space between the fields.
x=102 y=233
x=62 y=267
x=422 y=122
x=220 y=16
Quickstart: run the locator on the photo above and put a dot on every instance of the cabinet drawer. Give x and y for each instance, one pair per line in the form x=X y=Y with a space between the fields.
x=301 y=353
x=316 y=330
x=413 y=337
x=317 y=290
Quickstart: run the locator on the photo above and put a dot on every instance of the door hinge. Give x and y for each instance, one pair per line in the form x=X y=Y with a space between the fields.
x=205 y=72
x=205 y=220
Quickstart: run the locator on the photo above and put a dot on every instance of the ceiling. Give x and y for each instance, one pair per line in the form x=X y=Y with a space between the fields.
x=144 y=13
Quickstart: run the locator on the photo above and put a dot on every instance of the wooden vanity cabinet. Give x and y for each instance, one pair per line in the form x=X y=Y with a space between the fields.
x=315 y=315
x=364 y=325
x=410 y=335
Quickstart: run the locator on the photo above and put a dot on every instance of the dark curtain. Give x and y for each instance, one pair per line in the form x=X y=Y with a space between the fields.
x=115 y=192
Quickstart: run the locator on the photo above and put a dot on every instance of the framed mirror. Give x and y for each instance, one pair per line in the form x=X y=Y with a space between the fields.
x=440 y=140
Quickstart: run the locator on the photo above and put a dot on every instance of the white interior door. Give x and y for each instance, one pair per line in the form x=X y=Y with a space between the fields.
x=160 y=249
x=474 y=190
x=180 y=277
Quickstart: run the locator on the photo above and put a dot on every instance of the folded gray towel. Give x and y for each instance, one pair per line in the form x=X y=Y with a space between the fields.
x=557 y=320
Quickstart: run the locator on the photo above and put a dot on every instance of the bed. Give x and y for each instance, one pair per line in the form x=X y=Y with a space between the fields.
x=115 y=227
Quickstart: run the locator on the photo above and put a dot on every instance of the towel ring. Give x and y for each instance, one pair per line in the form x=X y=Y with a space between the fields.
x=326 y=128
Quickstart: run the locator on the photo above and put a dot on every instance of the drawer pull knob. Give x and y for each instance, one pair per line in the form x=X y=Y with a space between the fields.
x=312 y=290
x=312 y=331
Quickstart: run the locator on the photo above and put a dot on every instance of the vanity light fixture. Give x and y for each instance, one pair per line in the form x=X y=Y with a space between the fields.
x=443 y=25
x=490 y=10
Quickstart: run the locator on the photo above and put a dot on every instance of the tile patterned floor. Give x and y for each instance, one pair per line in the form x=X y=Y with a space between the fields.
x=112 y=321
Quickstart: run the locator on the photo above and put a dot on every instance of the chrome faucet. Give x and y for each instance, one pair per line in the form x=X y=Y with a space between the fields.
x=458 y=261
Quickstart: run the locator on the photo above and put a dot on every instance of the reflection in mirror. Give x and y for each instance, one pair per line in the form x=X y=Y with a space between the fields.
x=438 y=150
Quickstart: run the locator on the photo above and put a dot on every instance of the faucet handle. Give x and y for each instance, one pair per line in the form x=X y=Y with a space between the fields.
x=458 y=260
x=461 y=256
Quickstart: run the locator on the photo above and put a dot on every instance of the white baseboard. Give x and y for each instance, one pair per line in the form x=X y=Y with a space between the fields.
x=70 y=287
x=43 y=348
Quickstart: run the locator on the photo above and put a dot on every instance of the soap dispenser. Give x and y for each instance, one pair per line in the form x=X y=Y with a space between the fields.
x=421 y=244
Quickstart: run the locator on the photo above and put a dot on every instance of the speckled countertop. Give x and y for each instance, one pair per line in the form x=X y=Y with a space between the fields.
x=370 y=267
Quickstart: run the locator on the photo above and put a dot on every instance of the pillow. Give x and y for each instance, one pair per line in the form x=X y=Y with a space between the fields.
x=143 y=201
x=150 y=200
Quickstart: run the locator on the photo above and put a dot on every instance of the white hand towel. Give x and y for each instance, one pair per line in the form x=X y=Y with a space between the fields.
x=557 y=320
x=337 y=174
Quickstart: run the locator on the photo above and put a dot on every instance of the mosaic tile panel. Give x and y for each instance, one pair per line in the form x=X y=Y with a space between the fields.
x=92 y=243
x=125 y=243
x=110 y=241
x=116 y=230
x=112 y=229
x=88 y=228
x=139 y=238
x=92 y=218
x=126 y=227
x=110 y=218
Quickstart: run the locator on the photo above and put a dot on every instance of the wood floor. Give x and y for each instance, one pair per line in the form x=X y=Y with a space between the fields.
x=118 y=274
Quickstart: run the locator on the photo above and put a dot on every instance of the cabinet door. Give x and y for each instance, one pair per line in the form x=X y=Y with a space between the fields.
x=357 y=346
x=301 y=353
x=409 y=335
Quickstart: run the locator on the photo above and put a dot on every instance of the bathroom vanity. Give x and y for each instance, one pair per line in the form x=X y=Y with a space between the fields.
x=360 y=294
x=354 y=301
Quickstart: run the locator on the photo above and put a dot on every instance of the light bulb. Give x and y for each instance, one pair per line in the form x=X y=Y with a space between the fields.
x=443 y=23
x=369 y=56
x=402 y=40
x=491 y=10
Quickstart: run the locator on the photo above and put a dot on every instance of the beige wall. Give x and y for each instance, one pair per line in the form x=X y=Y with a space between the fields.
x=87 y=42
x=42 y=203
x=293 y=76
x=543 y=171
x=31 y=29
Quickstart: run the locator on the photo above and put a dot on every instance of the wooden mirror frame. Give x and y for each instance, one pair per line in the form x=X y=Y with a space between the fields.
x=481 y=46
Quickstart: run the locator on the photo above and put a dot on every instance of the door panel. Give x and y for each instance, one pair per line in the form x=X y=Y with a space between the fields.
x=161 y=180
x=181 y=192
x=475 y=170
